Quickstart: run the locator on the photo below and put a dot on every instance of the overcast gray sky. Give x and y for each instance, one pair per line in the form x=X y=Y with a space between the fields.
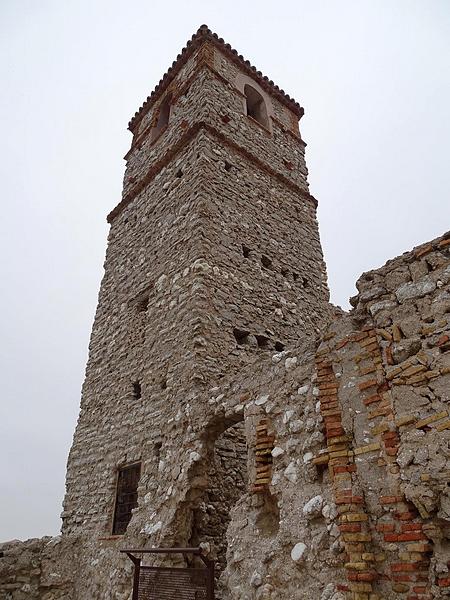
x=374 y=78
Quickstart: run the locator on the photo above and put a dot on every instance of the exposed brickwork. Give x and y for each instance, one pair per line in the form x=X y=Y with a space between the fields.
x=264 y=444
x=398 y=361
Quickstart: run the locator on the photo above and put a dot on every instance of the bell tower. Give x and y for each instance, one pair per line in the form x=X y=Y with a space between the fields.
x=213 y=262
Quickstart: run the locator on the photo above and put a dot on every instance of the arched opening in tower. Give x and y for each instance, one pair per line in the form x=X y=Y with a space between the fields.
x=163 y=116
x=255 y=106
x=227 y=482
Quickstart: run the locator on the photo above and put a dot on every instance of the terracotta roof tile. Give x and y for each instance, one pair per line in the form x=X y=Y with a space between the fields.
x=202 y=35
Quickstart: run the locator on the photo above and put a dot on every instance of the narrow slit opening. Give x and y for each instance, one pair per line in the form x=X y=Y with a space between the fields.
x=142 y=304
x=137 y=390
x=266 y=262
x=241 y=336
x=262 y=341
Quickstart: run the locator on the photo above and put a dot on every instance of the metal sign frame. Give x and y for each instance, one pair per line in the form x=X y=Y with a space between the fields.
x=139 y=569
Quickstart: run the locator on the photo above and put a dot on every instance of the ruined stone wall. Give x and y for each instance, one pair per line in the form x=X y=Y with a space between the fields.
x=350 y=461
x=393 y=396
x=282 y=539
x=38 y=569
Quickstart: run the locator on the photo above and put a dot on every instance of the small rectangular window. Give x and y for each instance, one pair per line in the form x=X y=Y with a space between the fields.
x=126 y=497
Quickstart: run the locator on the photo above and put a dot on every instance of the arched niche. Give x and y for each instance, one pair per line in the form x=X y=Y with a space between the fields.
x=256 y=103
x=162 y=119
x=255 y=106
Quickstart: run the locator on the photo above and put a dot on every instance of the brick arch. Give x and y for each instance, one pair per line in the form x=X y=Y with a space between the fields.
x=243 y=80
x=161 y=117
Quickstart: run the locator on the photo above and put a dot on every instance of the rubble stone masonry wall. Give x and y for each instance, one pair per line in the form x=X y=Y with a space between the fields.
x=349 y=449
x=306 y=449
x=347 y=491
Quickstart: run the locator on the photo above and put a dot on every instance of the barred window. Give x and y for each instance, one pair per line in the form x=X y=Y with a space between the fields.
x=126 y=496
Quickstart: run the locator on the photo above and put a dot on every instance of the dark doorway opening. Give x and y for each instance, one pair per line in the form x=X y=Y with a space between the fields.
x=227 y=482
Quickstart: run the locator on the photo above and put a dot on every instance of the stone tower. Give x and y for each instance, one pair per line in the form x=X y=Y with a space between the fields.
x=213 y=262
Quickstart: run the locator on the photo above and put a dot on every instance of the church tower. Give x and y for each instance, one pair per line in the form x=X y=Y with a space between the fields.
x=213 y=263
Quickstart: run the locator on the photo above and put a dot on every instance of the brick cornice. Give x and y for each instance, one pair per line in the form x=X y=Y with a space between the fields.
x=138 y=140
x=181 y=143
x=204 y=34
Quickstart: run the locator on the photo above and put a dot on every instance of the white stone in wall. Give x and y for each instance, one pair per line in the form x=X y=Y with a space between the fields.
x=310 y=424
x=298 y=552
x=372 y=293
x=307 y=458
x=329 y=512
x=194 y=457
x=296 y=426
x=382 y=305
x=316 y=438
x=256 y=579
x=290 y=363
x=291 y=472
x=313 y=508
x=287 y=416
x=149 y=529
x=201 y=265
x=277 y=451
x=262 y=399
x=276 y=358
x=334 y=531
x=328 y=592
x=161 y=282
